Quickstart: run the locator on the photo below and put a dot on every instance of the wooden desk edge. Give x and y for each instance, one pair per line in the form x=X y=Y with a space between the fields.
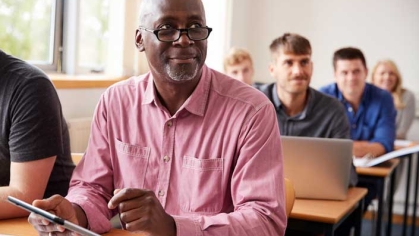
x=379 y=171
x=21 y=226
x=358 y=193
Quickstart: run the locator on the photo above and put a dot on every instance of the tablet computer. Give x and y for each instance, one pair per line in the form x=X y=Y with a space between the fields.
x=51 y=217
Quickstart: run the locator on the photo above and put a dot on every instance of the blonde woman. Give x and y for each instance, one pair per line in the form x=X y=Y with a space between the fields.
x=386 y=76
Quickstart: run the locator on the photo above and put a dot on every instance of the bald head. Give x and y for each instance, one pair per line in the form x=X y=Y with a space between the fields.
x=171 y=54
x=155 y=8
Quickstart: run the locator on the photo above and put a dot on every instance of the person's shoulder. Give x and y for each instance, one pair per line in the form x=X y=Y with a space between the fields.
x=377 y=93
x=264 y=88
x=19 y=71
x=328 y=89
x=377 y=97
x=132 y=83
x=407 y=94
x=326 y=101
x=322 y=96
x=236 y=91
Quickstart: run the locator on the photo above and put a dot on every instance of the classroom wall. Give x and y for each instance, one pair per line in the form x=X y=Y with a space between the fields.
x=380 y=28
x=78 y=103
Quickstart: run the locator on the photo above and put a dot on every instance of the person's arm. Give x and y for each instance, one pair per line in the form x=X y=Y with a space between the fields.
x=28 y=181
x=408 y=115
x=384 y=132
x=34 y=141
x=362 y=148
x=341 y=129
x=340 y=123
x=257 y=186
x=91 y=186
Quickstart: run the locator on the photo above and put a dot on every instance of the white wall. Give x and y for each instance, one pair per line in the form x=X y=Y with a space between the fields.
x=216 y=16
x=77 y=103
x=380 y=28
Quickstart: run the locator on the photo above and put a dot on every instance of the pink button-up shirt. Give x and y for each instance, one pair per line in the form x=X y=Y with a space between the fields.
x=215 y=165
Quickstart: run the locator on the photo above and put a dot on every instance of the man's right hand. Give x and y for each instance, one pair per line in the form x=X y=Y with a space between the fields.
x=57 y=205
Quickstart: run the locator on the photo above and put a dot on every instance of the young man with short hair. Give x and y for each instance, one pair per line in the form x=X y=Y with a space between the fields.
x=370 y=110
x=238 y=64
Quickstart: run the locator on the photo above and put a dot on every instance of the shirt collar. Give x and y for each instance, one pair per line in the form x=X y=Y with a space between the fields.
x=341 y=98
x=197 y=101
x=275 y=97
x=339 y=94
x=278 y=104
x=150 y=93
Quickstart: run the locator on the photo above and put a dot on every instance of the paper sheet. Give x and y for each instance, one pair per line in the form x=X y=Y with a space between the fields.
x=367 y=162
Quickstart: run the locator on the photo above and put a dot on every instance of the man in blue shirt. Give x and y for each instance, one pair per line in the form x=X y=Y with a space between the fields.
x=370 y=110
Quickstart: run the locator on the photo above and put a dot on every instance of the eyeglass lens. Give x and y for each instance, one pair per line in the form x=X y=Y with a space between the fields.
x=174 y=34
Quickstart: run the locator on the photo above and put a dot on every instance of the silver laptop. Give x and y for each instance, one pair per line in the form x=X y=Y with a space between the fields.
x=319 y=168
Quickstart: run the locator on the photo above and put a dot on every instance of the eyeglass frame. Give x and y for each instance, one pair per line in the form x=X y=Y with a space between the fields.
x=156 y=32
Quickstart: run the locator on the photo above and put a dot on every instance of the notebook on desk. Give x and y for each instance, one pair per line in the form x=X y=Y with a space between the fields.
x=319 y=168
x=404 y=148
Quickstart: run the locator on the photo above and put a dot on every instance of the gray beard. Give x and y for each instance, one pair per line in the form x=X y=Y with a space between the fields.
x=181 y=74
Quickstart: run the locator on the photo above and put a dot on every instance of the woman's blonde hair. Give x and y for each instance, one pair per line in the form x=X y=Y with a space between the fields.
x=397 y=91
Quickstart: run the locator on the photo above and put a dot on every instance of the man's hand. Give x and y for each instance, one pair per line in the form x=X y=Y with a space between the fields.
x=362 y=148
x=57 y=205
x=140 y=210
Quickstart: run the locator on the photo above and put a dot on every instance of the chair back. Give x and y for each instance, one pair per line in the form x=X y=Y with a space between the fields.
x=289 y=196
x=76 y=156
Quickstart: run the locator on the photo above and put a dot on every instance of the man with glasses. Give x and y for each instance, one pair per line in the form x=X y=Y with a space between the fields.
x=181 y=150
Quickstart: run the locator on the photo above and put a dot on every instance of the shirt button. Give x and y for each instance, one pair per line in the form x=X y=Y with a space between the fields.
x=166 y=159
x=350 y=109
x=169 y=123
x=161 y=193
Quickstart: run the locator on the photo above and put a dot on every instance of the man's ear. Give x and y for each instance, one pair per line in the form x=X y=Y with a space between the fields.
x=312 y=67
x=139 y=41
x=271 y=69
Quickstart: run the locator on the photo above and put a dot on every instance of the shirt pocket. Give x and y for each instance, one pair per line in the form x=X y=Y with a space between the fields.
x=202 y=189
x=132 y=161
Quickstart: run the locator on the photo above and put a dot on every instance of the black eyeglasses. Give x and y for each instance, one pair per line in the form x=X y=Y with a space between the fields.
x=172 y=35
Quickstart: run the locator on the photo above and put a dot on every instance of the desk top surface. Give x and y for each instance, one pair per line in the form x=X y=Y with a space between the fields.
x=381 y=170
x=21 y=227
x=326 y=211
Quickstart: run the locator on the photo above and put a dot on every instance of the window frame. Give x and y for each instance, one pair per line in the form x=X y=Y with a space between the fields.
x=123 y=58
x=55 y=39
